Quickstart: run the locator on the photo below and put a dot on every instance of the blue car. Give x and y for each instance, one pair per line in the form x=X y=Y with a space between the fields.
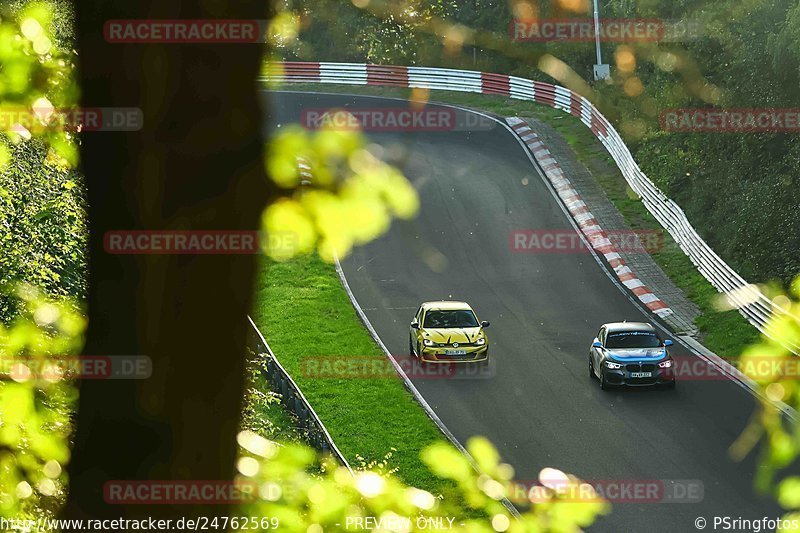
x=631 y=354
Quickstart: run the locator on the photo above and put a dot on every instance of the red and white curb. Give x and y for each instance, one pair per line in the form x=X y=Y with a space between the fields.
x=583 y=217
x=668 y=214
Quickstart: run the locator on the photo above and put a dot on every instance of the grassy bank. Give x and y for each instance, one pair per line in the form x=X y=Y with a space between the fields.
x=305 y=315
x=724 y=332
x=263 y=412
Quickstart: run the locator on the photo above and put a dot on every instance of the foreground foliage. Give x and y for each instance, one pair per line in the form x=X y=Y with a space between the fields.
x=350 y=203
x=770 y=426
x=36 y=402
x=332 y=501
x=42 y=222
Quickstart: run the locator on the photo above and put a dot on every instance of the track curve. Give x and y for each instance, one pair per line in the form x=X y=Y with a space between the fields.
x=540 y=408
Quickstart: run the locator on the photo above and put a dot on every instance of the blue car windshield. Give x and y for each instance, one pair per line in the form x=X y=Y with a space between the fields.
x=450 y=319
x=633 y=339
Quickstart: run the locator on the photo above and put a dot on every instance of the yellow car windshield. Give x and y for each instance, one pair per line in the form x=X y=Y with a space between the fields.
x=441 y=319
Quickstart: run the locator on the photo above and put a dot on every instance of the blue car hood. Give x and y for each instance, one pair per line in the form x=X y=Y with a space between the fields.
x=637 y=355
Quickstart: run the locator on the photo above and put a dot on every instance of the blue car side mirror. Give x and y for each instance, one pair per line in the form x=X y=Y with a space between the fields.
x=667 y=342
x=597 y=344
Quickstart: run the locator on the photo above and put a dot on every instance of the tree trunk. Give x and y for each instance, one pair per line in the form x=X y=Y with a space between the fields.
x=196 y=164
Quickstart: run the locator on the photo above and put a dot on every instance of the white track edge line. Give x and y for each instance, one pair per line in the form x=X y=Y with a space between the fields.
x=712 y=358
x=409 y=384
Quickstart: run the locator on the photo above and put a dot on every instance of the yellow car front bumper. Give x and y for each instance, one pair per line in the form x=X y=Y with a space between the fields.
x=475 y=354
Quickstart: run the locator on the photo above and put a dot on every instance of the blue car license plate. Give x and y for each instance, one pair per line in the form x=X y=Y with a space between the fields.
x=641 y=374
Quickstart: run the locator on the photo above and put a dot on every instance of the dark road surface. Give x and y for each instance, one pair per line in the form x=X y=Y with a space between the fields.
x=540 y=408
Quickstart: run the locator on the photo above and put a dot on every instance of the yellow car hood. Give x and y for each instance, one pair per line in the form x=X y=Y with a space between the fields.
x=451 y=335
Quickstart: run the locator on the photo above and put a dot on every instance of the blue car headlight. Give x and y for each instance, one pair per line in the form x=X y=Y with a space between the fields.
x=665 y=364
x=611 y=364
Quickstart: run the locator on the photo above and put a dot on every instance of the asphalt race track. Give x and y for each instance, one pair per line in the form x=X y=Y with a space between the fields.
x=540 y=407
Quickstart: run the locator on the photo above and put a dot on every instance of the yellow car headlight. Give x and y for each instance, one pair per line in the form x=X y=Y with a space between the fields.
x=481 y=341
x=427 y=342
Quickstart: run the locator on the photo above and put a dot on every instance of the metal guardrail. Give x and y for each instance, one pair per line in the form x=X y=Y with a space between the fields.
x=751 y=302
x=294 y=400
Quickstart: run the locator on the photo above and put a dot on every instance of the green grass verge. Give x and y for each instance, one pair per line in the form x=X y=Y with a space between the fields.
x=304 y=312
x=726 y=333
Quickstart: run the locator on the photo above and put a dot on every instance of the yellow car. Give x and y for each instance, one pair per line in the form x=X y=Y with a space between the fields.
x=448 y=332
